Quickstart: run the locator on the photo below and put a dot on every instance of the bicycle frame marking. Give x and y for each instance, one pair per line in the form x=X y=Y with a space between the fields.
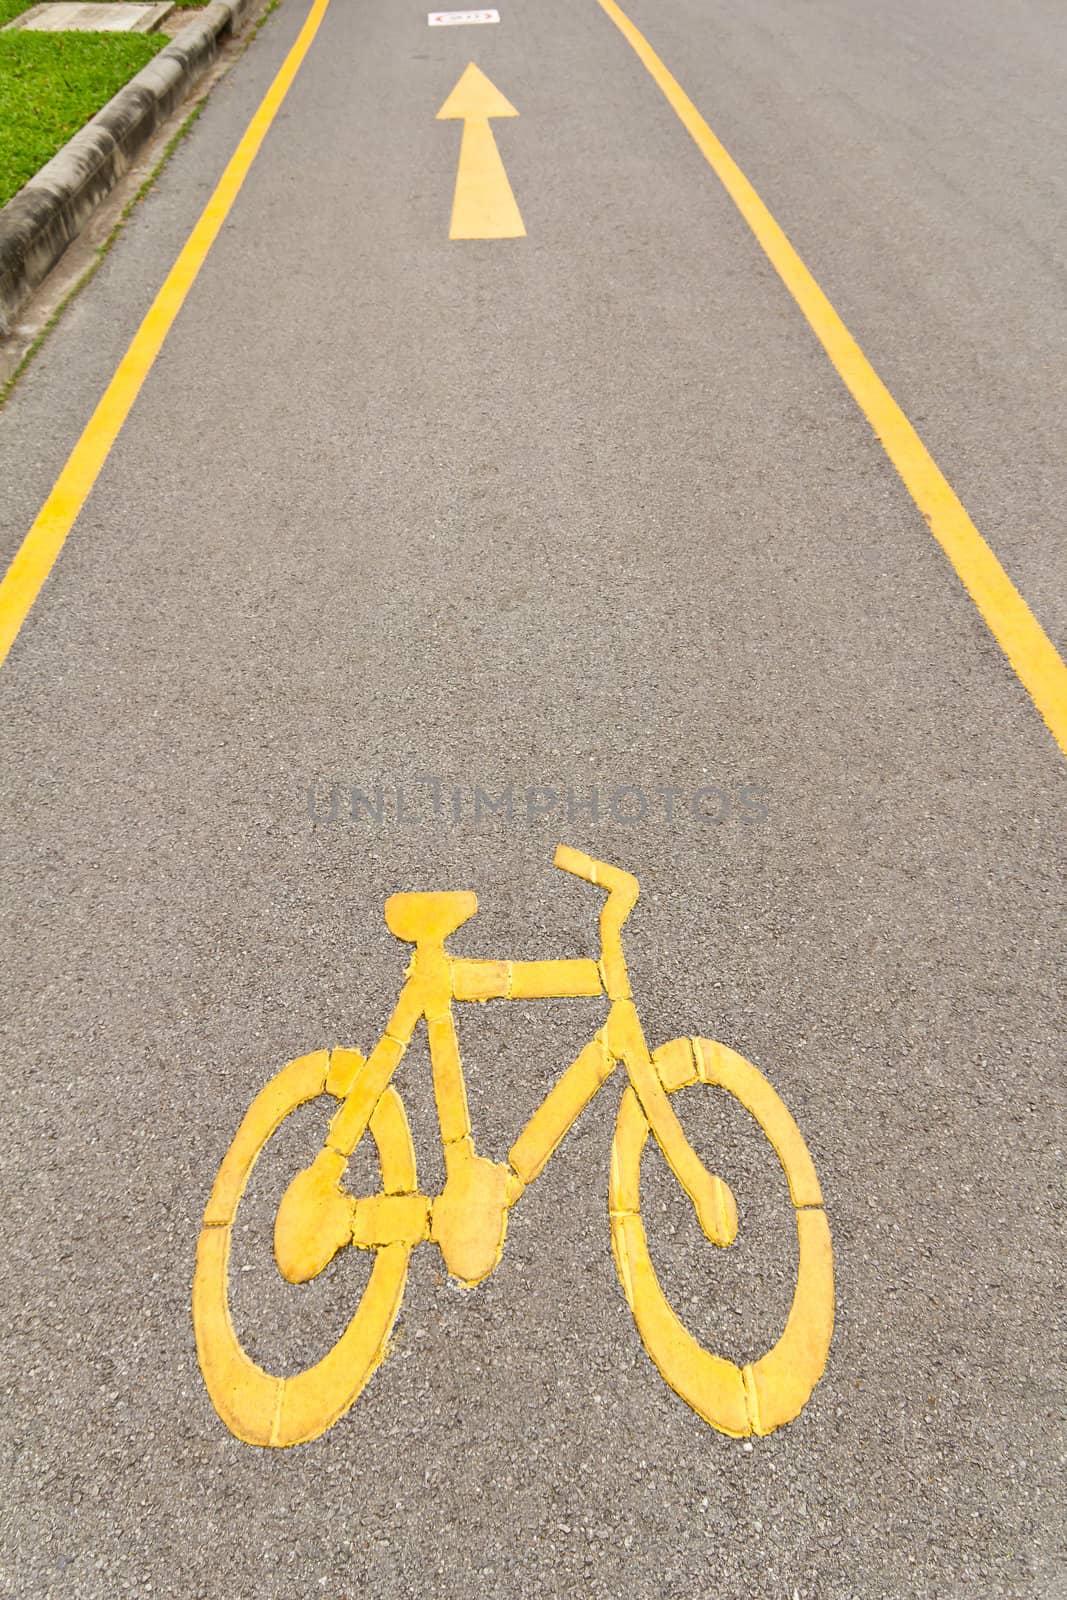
x=468 y=1219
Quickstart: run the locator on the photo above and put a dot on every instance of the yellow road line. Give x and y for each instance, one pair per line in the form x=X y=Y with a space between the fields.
x=37 y=554
x=1006 y=613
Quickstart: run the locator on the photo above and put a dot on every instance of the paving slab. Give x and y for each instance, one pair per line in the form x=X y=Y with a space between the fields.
x=83 y=16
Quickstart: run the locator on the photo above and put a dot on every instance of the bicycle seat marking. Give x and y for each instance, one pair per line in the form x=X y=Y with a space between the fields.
x=467 y=1221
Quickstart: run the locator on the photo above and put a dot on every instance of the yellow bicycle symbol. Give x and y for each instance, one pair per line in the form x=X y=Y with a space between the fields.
x=468 y=1219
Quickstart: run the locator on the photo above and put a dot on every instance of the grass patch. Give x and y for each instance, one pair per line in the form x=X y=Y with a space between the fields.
x=51 y=84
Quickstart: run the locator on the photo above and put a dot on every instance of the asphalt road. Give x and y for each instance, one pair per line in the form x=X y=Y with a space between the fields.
x=588 y=510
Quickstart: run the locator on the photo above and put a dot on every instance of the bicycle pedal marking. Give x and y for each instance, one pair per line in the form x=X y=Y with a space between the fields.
x=468 y=1219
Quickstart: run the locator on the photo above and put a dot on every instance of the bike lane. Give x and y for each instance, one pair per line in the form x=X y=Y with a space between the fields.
x=564 y=514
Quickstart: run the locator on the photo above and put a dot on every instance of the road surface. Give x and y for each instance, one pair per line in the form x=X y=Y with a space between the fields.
x=417 y=556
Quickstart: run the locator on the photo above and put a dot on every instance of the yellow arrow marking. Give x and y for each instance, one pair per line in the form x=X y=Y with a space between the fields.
x=484 y=206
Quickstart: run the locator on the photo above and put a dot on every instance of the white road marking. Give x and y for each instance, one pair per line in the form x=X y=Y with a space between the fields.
x=452 y=19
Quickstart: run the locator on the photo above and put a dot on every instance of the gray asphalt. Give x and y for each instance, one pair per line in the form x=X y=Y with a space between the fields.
x=586 y=510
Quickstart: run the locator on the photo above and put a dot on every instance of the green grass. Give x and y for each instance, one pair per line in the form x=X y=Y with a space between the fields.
x=51 y=84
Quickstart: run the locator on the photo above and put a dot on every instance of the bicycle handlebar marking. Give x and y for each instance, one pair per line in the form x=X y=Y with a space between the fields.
x=467 y=1221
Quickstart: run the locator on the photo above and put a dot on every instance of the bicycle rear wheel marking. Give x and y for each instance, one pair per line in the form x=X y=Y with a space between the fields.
x=258 y=1407
x=767 y=1393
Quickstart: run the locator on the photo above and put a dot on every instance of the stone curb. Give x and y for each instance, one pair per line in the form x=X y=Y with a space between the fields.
x=39 y=222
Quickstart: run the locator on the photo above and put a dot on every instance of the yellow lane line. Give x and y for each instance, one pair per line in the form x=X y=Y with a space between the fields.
x=38 y=552
x=1009 y=619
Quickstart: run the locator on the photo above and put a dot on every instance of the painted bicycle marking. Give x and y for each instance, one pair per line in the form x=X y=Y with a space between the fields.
x=467 y=1221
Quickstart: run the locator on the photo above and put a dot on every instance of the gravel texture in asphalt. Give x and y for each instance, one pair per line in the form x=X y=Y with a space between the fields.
x=580 y=512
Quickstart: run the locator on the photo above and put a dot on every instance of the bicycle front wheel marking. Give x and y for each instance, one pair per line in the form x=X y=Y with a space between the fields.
x=256 y=1406
x=769 y=1392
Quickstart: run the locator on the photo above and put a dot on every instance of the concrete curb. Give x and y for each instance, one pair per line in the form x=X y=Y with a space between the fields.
x=39 y=222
